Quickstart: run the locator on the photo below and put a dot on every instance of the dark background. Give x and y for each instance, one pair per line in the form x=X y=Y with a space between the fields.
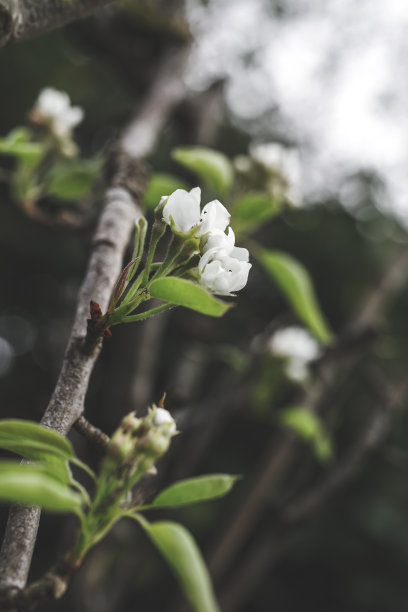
x=351 y=550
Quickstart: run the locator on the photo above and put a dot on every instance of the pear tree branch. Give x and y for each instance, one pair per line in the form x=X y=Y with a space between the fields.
x=121 y=210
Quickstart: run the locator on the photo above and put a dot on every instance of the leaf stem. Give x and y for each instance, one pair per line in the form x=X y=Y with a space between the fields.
x=157 y=232
x=149 y=313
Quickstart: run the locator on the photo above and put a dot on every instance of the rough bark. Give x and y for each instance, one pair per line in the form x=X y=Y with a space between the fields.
x=122 y=207
x=21 y=19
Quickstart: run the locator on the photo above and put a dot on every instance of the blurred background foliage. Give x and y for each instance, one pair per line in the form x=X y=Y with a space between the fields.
x=224 y=387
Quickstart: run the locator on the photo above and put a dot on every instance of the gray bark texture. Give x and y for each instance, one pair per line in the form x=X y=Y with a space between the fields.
x=126 y=179
x=21 y=19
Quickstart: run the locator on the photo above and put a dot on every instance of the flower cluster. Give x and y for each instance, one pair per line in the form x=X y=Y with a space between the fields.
x=134 y=448
x=298 y=348
x=54 y=108
x=223 y=267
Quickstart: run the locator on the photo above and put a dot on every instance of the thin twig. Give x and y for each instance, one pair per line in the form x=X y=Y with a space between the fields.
x=92 y=433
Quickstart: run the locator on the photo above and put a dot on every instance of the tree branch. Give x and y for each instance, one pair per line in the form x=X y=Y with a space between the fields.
x=266 y=550
x=122 y=207
x=21 y=19
x=335 y=366
x=92 y=433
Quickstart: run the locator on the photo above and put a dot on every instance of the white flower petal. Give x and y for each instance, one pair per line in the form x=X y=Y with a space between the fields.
x=163 y=416
x=55 y=106
x=239 y=253
x=224 y=274
x=52 y=103
x=195 y=192
x=296 y=343
x=214 y=216
x=217 y=239
x=184 y=208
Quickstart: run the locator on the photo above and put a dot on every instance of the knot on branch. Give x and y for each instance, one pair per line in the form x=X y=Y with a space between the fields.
x=126 y=172
x=50 y=587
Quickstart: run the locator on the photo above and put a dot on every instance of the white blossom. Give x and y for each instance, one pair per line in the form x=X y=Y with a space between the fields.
x=218 y=239
x=284 y=162
x=184 y=208
x=298 y=347
x=223 y=267
x=55 y=107
x=214 y=216
x=218 y=244
x=224 y=274
x=162 y=417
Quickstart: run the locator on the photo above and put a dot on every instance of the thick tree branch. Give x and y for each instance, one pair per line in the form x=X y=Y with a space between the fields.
x=67 y=402
x=122 y=207
x=21 y=19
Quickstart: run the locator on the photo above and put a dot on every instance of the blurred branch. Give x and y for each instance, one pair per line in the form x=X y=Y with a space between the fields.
x=334 y=368
x=22 y=19
x=268 y=549
x=373 y=435
x=376 y=301
x=122 y=207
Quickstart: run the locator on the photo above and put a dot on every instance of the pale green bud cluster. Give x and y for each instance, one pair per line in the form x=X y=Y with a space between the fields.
x=133 y=450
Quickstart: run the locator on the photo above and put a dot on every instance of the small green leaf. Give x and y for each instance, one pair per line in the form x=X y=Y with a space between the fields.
x=294 y=281
x=182 y=554
x=308 y=425
x=30 y=439
x=161 y=184
x=183 y=292
x=55 y=466
x=31 y=485
x=73 y=180
x=253 y=209
x=213 y=167
x=17 y=136
x=194 y=490
x=17 y=144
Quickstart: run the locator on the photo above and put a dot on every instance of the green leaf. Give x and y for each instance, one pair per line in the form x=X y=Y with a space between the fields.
x=182 y=554
x=183 y=292
x=73 y=180
x=17 y=144
x=193 y=490
x=37 y=443
x=213 y=167
x=31 y=485
x=55 y=466
x=308 y=425
x=294 y=281
x=30 y=439
x=253 y=209
x=161 y=184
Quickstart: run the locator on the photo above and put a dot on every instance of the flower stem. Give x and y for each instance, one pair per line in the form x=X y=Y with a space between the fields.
x=149 y=313
x=157 y=232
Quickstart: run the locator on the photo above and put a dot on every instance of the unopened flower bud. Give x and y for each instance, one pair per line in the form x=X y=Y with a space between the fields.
x=121 y=446
x=130 y=423
x=163 y=416
x=158 y=211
